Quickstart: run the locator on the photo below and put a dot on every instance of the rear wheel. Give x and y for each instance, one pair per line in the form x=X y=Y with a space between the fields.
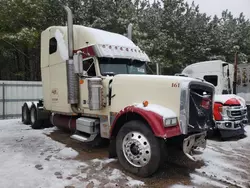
x=26 y=114
x=35 y=122
x=138 y=150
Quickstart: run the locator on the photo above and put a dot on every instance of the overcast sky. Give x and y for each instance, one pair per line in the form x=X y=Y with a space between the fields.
x=212 y=7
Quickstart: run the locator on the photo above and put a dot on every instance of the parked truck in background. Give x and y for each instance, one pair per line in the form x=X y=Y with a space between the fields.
x=230 y=109
x=97 y=87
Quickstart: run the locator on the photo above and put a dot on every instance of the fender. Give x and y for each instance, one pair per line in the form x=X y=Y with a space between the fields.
x=154 y=120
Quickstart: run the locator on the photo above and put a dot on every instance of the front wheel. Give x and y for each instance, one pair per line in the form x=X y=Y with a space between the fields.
x=138 y=150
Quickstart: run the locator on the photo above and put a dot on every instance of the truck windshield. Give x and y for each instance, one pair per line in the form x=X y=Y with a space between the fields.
x=121 y=66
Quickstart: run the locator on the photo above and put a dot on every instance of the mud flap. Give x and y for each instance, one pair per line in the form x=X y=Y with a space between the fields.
x=193 y=142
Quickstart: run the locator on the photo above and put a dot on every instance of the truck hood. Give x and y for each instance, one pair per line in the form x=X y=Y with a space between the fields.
x=155 y=77
x=229 y=99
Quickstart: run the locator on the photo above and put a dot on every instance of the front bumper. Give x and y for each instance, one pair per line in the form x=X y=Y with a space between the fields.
x=229 y=125
x=229 y=129
x=193 y=142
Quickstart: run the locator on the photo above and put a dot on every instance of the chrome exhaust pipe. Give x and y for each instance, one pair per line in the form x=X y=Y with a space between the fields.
x=70 y=31
x=72 y=79
x=130 y=31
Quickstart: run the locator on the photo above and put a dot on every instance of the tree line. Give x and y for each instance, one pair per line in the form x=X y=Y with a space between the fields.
x=172 y=32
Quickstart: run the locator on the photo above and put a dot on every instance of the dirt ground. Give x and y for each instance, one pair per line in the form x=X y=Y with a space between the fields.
x=50 y=158
x=177 y=170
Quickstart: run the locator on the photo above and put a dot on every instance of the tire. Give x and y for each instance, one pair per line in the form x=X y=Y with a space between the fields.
x=35 y=123
x=26 y=114
x=150 y=156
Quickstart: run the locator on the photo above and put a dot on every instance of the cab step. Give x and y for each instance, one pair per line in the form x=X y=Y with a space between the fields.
x=82 y=138
x=87 y=129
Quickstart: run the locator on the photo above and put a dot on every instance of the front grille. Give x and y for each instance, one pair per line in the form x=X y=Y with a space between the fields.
x=238 y=118
x=200 y=115
x=236 y=113
x=232 y=112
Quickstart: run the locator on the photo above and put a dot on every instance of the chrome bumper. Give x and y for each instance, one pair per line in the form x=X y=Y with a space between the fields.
x=193 y=142
x=229 y=125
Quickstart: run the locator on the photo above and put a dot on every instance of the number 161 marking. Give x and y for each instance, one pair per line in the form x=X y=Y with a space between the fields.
x=175 y=84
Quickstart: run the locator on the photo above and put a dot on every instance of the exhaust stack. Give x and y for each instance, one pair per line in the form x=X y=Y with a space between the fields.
x=130 y=31
x=72 y=80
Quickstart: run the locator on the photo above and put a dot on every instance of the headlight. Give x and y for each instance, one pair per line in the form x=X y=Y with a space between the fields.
x=170 y=122
x=223 y=110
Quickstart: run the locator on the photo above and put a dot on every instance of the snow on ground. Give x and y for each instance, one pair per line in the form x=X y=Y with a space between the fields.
x=226 y=162
x=67 y=153
x=181 y=186
x=31 y=159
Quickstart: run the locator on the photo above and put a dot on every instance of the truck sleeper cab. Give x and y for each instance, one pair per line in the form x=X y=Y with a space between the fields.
x=118 y=101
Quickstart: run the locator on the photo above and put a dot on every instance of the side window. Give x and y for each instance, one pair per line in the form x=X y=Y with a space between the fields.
x=213 y=79
x=52 y=45
x=89 y=67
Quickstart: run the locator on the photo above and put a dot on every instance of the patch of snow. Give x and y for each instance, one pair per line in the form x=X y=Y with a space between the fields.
x=133 y=183
x=110 y=38
x=218 y=161
x=106 y=161
x=33 y=154
x=201 y=180
x=116 y=174
x=67 y=153
x=219 y=167
x=181 y=186
x=162 y=111
x=103 y=161
x=63 y=49
x=48 y=131
x=159 y=77
x=95 y=182
x=247 y=129
x=96 y=160
x=110 y=185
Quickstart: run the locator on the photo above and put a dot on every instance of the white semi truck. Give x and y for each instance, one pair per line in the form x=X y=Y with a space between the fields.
x=97 y=87
x=231 y=100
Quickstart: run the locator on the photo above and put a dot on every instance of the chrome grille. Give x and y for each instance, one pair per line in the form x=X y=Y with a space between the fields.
x=236 y=112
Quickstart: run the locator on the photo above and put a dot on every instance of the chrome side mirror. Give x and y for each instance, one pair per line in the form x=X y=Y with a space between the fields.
x=78 y=62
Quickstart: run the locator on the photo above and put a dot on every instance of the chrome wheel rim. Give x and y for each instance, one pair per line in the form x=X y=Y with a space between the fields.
x=136 y=149
x=32 y=117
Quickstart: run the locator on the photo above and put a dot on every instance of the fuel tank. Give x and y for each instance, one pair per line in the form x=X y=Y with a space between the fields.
x=66 y=123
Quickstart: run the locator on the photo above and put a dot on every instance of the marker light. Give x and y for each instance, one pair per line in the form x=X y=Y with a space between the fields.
x=81 y=81
x=145 y=103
